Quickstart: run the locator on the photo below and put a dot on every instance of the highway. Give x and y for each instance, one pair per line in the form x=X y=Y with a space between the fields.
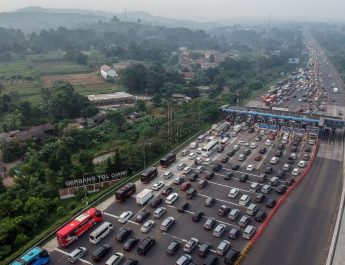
x=301 y=231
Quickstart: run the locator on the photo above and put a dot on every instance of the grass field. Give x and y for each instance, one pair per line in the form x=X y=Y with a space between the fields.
x=95 y=57
x=51 y=55
x=25 y=90
x=74 y=79
x=98 y=89
x=59 y=67
x=16 y=70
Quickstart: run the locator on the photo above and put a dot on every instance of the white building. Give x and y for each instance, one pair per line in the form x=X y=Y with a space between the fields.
x=107 y=72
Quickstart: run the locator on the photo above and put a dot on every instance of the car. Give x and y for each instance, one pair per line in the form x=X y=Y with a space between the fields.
x=244 y=178
x=260 y=216
x=158 y=185
x=145 y=245
x=167 y=224
x=199 y=150
x=192 y=156
x=263 y=150
x=197 y=216
x=269 y=170
x=171 y=198
x=260 y=198
x=181 y=166
x=209 y=223
x=193 y=177
x=178 y=180
x=280 y=146
x=193 y=145
x=217 y=167
x=244 y=143
x=159 y=212
x=312 y=141
x=268 y=142
x=258 y=158
x=235 y=167
x=247 y=152
x=273 y=181
x=290 y=182
x=223 y=247
x=281 y=173
x=234 y=213
x=231 y=153
x=295 y=171
x=131 y=261
x=236 y=147
x=302 y=163
x=115 y=259
x=234 y=233
x=251 y=130
x=244 y=221
x=271 y=203
x=228 y=176
x=266 y=189
x=274 y=160
x=125 y=216
x=279 y=153
x=167 y=190
x=167 y=175
x=250 y=167
x=156 y=202
x=242 y=157
x=252 y=209
x=253 y=145
x=281 y=189
x=224 y=159
x=185 y=186
x=190 y=245
x=187 y=170
x=223 y=210
x=233 y=193
x=204 y=249
x=130 y=243
x=183 y=206
x=173 y=248
x=307 y=149
x=254 y=186
x=210 y=201
x=244 y=200
x=101 y=252
x=185 y=152
x=220 y=148
x=142 y=216
x=184 y=260
x=209 y=175
x=248 y=232
x=295 y=143
x=306 y=157
x=191 y=193
x=146 y=227
x=77 y=254
x=199 y=169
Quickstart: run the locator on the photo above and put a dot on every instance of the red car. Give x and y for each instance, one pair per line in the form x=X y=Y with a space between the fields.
x=271 y=137
x=185 y=186
x=258 y=158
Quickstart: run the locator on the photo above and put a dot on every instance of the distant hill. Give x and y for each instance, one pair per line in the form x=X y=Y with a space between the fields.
x=34 y=19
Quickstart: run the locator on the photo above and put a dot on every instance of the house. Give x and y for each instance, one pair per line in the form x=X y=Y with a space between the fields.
x=118 y=98
x=107 y=72
x=36 y=133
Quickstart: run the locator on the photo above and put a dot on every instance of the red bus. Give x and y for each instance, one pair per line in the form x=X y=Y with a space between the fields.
x=125 y=192
x=75 y=228
x=168 y=160
x=149 y=174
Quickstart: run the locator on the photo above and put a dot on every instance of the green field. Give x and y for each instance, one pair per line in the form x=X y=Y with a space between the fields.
x=59 y=67
x=95 y=57
x=24 y=90
x=98 y=89
x=17 y=70
x=51 y=55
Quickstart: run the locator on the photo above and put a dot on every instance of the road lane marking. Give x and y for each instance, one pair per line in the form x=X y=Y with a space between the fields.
x=226 y=186
x=67 y=254
x=205 y=196
x=117 y=217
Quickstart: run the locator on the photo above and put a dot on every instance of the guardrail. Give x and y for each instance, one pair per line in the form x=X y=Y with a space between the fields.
x=258 y=234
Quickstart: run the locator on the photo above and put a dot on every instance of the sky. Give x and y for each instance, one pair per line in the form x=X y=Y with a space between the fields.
x=202 y=10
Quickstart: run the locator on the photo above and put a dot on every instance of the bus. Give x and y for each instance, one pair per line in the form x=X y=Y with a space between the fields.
x=101 y=232
x=224 y=141
x=149 y=174
x=77 y=227
x=209 y=148
x=125 y=192
x=168 y=160
x=35 y=256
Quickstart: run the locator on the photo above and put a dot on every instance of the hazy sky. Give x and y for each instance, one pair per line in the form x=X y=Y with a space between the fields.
x=201 y=9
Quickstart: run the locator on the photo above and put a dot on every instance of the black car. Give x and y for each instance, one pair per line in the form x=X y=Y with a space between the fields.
x=228 y=176
x=183 y=206
x=290 y=182
x=231 y=153
x=220 y=148
x=193 y=177
x=217 y=167
x=294 y=149
x=142 y=216
x=204 y=250
x=130 y=243
x=280 y=146
x=269 y=170
x=279 y=153
x=260 y=198
x=210 y=201
x=131 y=261
x=145 y=245
x=244 y=177
x=271 y=203
x=156 y=202
x=197 y=216
x=209 y=175
x=235 y=167
x=263 y=150
x=281 y=189
x=307 y=149
x=224 y=159
x=295 y=143
x=251 y=130
x=223 y=210
x=167 y=190
x=281 y=174
x=260 y=216
x=101 y=252
x=247 y=152
x=290 y=160
x=173 y=248
x=123 y=234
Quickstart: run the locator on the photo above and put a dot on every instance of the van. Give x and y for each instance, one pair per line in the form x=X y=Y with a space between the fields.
x=249 y=232
x=262 y=178
x=77 y=254
x=201 y=138
x=101 y=252
x=202 y=183
x=211 y=260
x=185 y=152
x=252 y=209
x=99 y=233
x=231 y=256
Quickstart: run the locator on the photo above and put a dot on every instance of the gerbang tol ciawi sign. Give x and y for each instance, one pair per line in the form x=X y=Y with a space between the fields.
x=89 y=180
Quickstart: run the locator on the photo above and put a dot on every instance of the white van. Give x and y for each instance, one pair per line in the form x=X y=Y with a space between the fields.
x=244 y=200
x=99 y=233
x=185 y=152
x=249 y=232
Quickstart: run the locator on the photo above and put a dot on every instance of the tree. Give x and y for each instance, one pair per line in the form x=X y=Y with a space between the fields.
x=85 y=159
x=140 y=106
x=134 y=78
x=157 y=99
x=117 y=118
x=212 y=58
x=2 y=87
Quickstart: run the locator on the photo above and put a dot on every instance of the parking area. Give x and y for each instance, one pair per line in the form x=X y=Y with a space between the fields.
x=241 y=176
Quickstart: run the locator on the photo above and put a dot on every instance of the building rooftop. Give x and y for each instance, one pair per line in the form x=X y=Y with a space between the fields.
x=105 y=68
x=117 y=95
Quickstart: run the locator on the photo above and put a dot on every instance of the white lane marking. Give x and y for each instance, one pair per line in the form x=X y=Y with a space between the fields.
x=250 y=174
x=117 y=217
x=67 y=254
x=263 y=159
x=230 y=187
x=205 y=196
x=171 y=206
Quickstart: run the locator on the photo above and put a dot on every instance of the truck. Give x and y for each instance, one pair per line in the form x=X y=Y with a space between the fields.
x=237 y=128
x=335 y=90
x=144 y=196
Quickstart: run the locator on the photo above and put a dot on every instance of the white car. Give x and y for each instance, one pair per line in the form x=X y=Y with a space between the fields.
x=236 y=147
x=181 y=166
x=250 y=168
x=193 y=145
x=115 y=259
x=253 y=145
x=268 y=142
x=192 y=156
x=295 y=172
x=167 y=175
x=219 y=230
x=302 y=163
x=147 y=226
x=233 y=193
x=243 y=143
x=186 y=170
x=125 y=216
x=311 y=141
x=198 y=160
x=171 y=198
x=199 y=150
x=274 y=160
x=200 y=169
x=158 y=185
x=223 y=247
